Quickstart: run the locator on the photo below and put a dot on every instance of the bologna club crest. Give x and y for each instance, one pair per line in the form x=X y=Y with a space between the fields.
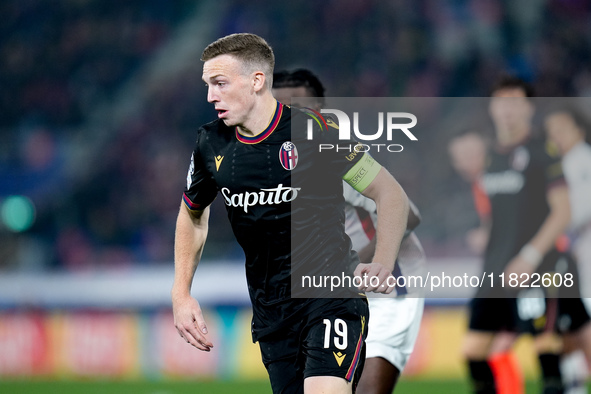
x=288 y=155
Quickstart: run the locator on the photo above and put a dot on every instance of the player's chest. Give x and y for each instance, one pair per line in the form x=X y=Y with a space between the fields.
x=240 y=166
x=507 y=174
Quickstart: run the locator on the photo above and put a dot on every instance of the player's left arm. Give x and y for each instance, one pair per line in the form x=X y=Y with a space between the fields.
x=554 y=225
x=377 y=183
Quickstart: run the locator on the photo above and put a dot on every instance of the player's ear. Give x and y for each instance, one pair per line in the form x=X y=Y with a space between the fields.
x=258 y=80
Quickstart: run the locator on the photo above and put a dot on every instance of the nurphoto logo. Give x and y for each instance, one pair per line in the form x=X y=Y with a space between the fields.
x=393 y=127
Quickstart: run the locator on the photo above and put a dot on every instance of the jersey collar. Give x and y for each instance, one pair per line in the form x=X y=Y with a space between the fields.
x=265 y=133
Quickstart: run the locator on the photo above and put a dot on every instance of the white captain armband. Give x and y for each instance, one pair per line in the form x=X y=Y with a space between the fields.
x=362 y=173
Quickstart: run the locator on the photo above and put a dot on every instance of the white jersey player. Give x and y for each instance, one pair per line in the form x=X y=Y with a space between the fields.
x=564 y=129
x=569 y=138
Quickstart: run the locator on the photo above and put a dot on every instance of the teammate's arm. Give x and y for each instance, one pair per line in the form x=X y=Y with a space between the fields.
x=190 y=236
x=392 y=209
x=553 y=226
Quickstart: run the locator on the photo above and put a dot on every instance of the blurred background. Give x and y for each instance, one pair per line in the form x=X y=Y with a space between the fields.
x=99 y=104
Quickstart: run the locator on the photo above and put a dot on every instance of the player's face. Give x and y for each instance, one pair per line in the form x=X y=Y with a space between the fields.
x=510 y=109
x=468 y=156
x=229 y=89
x=563 y=131
x=296 y=97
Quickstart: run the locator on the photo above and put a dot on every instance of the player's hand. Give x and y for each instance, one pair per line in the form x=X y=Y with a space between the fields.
x=189 y=322
x=374 y=277
x=518 y=265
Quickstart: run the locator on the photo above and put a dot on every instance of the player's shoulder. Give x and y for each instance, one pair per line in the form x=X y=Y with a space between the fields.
x=325 y=121
x=541 y=150
x=213 y=131
x=299 y=114
x=543 y=156
x=214 y=126
x=316 y=125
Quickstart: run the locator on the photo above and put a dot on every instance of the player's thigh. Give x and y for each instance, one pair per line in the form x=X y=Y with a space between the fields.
x=503 y=342
x=284 y=364
x=548 y=342
x=477 y=345
x=570 y=321
x=327 y=385
x=488 y=318
x=334 y=340
x=393 y=328
x=379 y=377
x=581 y=339
x=572 y=315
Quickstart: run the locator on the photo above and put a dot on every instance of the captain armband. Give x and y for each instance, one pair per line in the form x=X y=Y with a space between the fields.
x=362 y=173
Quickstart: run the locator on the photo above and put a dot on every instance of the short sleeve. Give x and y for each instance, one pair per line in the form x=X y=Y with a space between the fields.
x=201 y=188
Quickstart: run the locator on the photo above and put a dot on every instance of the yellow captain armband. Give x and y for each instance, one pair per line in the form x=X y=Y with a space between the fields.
x=362 y=173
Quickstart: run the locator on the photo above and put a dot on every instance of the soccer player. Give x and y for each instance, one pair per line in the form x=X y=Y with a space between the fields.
x=468 y=156
x=395 y=322
x=468 y=152
x=285 y=205
x=565 y=129
x=529 y=211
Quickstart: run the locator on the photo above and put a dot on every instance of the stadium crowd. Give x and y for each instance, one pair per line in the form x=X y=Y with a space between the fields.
x=63 y=59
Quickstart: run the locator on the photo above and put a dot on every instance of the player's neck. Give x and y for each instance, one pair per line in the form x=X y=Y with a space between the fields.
x=260 y=116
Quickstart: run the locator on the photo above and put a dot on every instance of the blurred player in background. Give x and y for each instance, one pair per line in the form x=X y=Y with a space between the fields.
x=308 y=345
x=468 y=152
x=394 y=322
x=529 y=211
x=565 y=129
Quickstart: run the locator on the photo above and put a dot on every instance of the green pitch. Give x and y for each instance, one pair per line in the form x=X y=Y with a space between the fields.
x=200 y=387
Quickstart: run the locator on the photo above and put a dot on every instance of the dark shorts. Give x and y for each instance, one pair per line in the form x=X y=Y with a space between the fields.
x=527 y=315
x=572 y=315
x=500 y=314
x=329 y=341
x=533 y=310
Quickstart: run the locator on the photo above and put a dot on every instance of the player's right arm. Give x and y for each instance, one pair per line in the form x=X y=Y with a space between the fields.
x=190 y=236
x=554 y=225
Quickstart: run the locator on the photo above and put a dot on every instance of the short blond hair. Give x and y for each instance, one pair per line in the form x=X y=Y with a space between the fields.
x=252 y=50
